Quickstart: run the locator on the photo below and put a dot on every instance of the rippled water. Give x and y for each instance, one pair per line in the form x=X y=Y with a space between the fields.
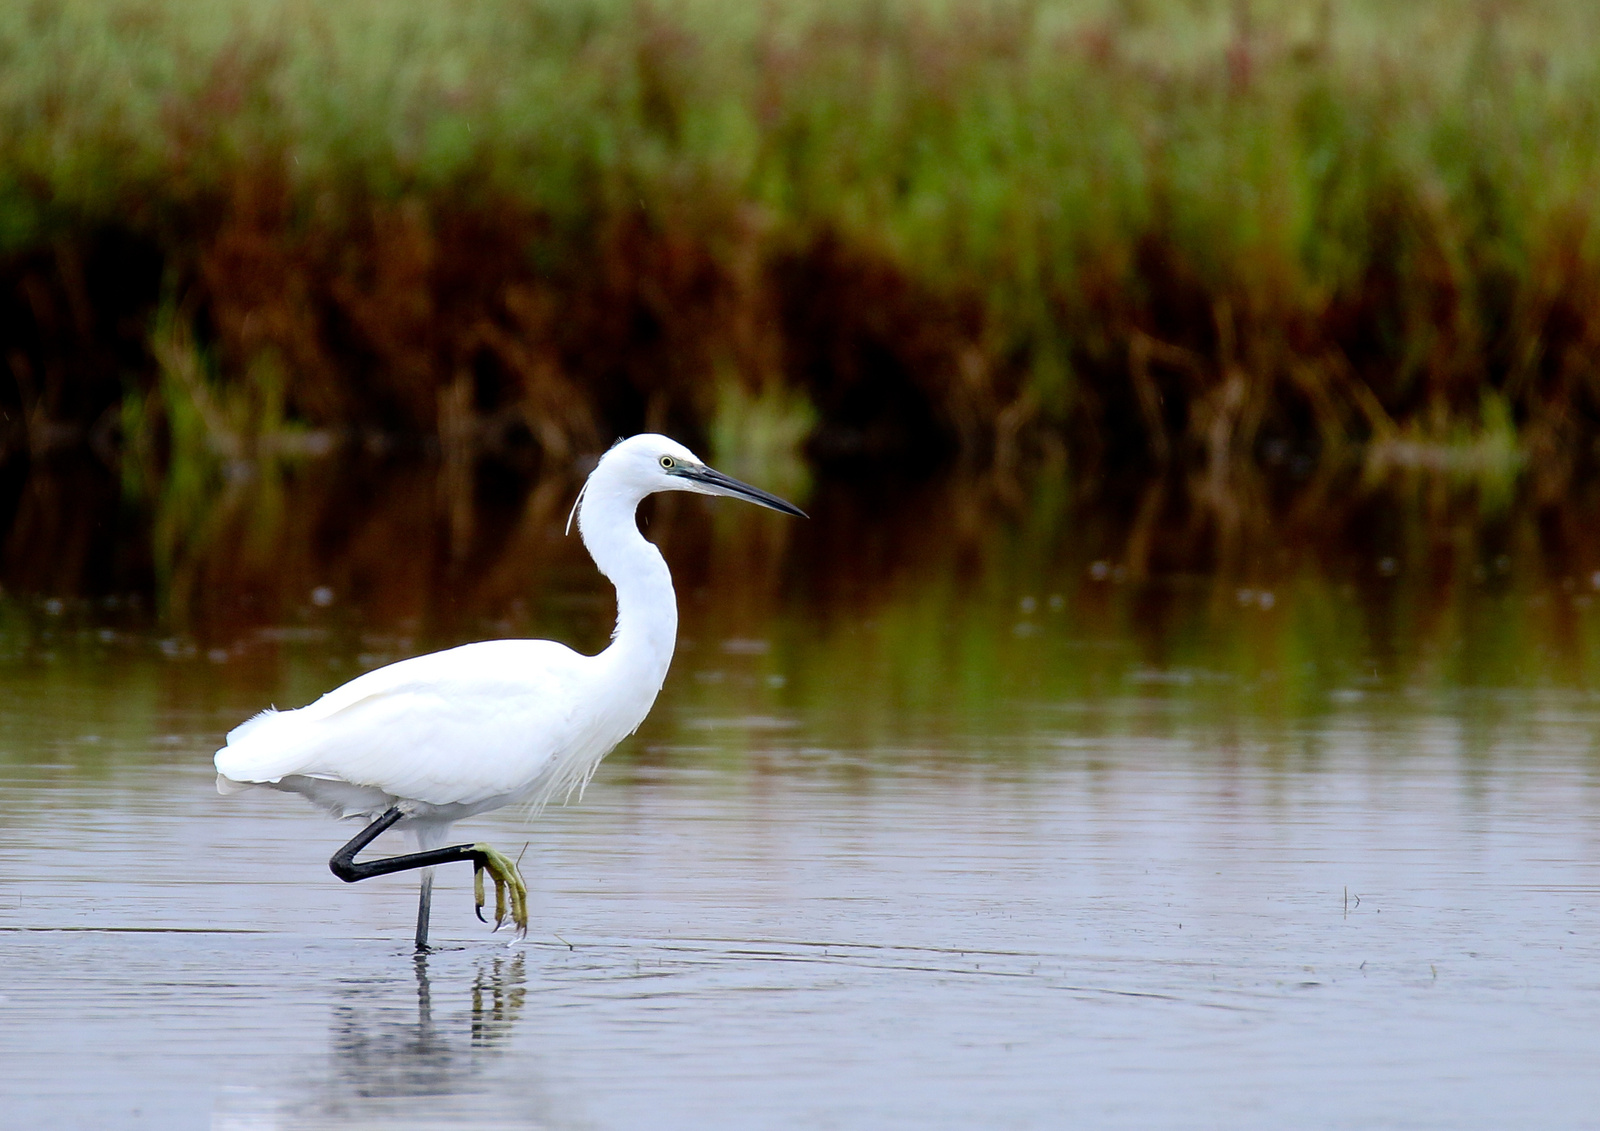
x=937 y=824
x=1384 y=914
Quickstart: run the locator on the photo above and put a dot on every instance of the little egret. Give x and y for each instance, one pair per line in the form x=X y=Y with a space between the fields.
x=435 y=739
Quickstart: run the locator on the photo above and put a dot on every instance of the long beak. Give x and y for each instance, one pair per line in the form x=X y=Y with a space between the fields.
x=712 y=482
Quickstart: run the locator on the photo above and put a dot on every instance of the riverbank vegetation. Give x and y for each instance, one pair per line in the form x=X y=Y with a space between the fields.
x=1212 y=240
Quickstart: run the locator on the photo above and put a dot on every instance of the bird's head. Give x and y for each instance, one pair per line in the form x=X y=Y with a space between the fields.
x=644 y=464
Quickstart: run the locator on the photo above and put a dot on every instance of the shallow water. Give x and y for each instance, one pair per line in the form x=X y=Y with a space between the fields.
x=1167 y=928
x=1016 y=848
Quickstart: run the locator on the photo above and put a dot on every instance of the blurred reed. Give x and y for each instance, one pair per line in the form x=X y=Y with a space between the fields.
x=919 y=624
x=1212 y=239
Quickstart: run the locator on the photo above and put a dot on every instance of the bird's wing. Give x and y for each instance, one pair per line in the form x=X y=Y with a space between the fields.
x=451 y=727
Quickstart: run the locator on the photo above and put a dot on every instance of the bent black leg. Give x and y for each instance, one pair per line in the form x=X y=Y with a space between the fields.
x=343 y=864
x=507 y=883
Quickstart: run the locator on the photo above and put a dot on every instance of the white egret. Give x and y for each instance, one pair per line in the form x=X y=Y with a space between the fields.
x=432 y=740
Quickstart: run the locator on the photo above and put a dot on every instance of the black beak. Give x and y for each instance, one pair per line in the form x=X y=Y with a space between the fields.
x=717 y=483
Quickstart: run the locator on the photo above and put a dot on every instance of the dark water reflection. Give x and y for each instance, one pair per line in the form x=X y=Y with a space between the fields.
x=391 y=1051
x=949 y=824
x=381 y=1051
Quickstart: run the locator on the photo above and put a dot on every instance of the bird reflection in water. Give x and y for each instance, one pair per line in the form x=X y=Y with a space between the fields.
x=401 y=1057
x=380 y=1051
x=424 y=1051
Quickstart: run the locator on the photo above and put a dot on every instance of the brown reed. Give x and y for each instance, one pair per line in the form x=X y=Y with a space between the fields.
x=1212 y=239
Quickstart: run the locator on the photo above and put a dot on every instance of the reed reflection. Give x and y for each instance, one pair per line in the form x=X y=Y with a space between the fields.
x=949 y=600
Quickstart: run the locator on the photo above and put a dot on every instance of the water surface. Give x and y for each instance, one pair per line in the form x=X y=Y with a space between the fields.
x=1023 y=846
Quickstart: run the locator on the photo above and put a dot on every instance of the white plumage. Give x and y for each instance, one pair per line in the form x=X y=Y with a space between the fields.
x=506 y=709
x=455 y=733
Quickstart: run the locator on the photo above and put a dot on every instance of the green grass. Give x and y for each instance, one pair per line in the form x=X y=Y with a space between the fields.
x=1204 y=235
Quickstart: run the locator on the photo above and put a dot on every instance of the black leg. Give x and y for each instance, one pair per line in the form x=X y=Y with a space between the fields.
x=507 y=883
x=425 y=910
x=345 y=867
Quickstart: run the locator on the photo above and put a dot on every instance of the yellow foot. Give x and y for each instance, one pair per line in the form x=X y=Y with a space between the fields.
x=507 y=883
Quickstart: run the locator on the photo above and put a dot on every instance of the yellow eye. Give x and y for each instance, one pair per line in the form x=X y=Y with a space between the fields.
x=668 y=463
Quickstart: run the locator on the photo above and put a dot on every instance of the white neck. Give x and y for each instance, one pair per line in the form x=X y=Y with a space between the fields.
x=647 y=608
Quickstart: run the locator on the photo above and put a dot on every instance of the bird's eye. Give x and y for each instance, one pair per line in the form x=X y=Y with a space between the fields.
x=668 y=463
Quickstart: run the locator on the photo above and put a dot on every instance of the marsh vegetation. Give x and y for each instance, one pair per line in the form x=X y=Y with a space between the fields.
x=1199 y=237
